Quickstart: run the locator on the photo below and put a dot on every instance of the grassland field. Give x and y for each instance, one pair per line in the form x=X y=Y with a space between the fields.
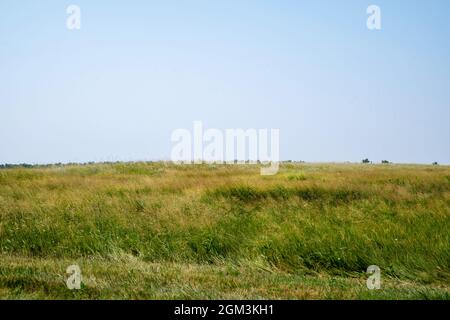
x=166 y=231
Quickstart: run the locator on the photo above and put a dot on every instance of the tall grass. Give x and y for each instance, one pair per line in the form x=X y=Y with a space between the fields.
x=309 y=219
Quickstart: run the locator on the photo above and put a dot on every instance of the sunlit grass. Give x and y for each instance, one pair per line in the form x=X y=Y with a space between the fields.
x=310 y=231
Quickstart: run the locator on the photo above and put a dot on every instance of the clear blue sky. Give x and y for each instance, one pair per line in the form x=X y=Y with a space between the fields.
x=137 y=70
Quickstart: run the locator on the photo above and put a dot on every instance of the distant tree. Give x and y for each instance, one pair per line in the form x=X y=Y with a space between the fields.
x=11 y=166
x=366 y=161
x=435 y=163
x=385 y=162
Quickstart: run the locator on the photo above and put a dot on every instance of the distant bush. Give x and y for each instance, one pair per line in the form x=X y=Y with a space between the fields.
x=11 y=166
x=385 y=162
x=435 y=163
x=366 y=161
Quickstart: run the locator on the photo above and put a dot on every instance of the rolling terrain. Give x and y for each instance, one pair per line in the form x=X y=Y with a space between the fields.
x=166 y=231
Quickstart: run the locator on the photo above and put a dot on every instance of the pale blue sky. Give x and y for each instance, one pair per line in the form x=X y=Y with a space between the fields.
x=137 y=70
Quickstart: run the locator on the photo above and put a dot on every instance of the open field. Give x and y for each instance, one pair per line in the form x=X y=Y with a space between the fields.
x=157 y=230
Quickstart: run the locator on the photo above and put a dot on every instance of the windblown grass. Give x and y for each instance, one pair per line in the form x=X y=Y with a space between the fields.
x=225 y=231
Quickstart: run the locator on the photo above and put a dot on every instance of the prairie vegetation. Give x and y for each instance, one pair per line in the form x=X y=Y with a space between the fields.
x=158 y=230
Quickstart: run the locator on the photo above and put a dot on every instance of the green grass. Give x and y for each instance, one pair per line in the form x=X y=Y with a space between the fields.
x=157 y=230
